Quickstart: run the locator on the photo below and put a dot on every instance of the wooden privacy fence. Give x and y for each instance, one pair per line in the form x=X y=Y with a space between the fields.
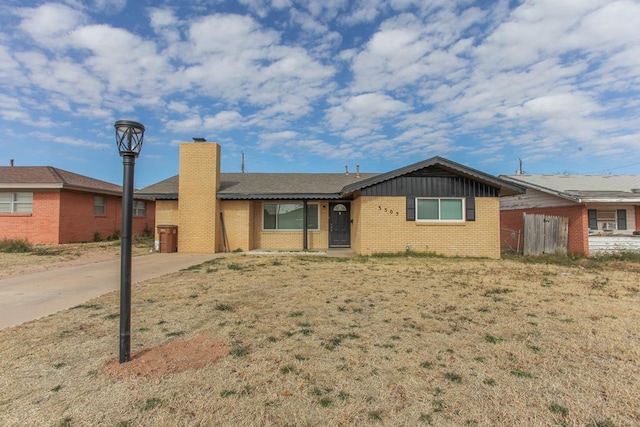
x=544 y=234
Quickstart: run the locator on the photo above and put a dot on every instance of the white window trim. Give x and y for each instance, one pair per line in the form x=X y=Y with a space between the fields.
x=136 y=209
x=440 y=221
x=13 y=202
x=289 y=229
x=104 y=206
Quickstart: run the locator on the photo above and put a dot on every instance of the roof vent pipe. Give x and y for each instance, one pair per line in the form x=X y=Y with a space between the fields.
x=346 y=170
x=357 y=171
x=11 y=162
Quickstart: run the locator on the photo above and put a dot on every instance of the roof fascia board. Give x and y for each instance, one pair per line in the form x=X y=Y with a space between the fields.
x=609 y=200
x=31 y=186
x=279 y=196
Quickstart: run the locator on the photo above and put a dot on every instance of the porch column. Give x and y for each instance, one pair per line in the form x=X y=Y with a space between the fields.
x=304 y=226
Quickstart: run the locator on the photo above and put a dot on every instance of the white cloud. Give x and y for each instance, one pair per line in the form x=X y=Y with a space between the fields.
x=368 y=111
x=50 y=22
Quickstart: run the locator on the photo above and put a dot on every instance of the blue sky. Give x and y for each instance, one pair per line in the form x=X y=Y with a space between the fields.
x=314 y=85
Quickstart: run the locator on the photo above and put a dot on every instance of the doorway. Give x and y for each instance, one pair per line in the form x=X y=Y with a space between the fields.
x=340 y=225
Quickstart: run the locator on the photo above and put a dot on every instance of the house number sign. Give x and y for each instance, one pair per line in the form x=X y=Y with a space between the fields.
x=389 y=211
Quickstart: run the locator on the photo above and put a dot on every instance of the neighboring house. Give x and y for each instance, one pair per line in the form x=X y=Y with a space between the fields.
x=596 y=205
x=432 y=206
x=43 y=204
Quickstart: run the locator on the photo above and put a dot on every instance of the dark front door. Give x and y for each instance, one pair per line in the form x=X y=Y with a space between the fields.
x=339 y=225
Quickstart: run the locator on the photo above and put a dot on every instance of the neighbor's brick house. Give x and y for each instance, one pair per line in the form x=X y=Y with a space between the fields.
x=432 y=206
x=602 y=209
x=43 y=204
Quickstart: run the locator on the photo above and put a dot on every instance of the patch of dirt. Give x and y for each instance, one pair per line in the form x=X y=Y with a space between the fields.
x=176 y=356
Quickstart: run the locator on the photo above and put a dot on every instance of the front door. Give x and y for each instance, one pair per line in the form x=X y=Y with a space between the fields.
x=339 y=225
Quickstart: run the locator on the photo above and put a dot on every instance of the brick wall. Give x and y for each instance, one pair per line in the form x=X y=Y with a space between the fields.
x=356 y=245
x=197 y=205
x=382 y=227
x=238 y=224
x=67 y=217
x=290 y=240
x=40 y=226
x=578 y=226
x=78 y=223
x=166 y=214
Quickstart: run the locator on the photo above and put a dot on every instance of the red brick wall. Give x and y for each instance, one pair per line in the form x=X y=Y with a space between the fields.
x=147 y=222
x=40 y=226
x=79 y=224
x=66 y=217
x=578 y=226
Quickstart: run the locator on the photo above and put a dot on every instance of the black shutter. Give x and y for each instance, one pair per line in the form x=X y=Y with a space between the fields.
x=622 y=219
x=411 y=208
x=471 y=209
x=593 y=218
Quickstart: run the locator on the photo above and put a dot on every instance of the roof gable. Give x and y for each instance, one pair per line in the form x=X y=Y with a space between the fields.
x=438 y=166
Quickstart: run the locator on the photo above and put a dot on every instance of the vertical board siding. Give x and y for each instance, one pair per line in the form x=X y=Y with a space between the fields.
x=430 y=186
x=545 y=234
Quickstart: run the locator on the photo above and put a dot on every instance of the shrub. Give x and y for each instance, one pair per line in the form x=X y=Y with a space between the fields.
x=15 y=246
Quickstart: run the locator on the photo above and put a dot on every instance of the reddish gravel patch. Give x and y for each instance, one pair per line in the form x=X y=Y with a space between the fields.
x=176 y=356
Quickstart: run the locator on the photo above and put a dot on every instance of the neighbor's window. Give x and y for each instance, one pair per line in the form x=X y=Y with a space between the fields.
x=288 y=216
x=21 y=202
x=607 y=219
x=432 y=209
x=99 y=205
x=139 y=208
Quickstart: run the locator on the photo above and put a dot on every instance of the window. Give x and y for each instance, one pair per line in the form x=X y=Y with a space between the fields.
x=440 y=209
x=99 y=205
x=288 y=216
x=607 y=219
x=16 y=202
x=139 y=208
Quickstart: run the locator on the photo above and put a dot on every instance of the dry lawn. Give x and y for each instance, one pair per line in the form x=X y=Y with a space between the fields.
x=46 y=257
x=317 y=341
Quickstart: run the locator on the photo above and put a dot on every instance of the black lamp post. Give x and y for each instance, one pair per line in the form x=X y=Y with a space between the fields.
x=129 y=136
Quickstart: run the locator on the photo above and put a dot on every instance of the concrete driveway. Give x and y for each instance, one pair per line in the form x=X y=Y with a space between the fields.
x=33 y=296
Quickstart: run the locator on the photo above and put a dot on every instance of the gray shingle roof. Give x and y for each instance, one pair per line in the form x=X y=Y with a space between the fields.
x=40 y=177
x=583 y=188
x=263 y=186
x=266 y=186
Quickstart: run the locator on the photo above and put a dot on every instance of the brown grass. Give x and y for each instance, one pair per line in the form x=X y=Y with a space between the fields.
x=46 y=257
x=362 y=341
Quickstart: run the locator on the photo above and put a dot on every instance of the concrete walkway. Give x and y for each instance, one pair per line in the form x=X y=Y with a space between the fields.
x=33 y=296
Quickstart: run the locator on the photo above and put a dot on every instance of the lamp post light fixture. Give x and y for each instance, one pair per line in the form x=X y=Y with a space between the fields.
x=129 y=136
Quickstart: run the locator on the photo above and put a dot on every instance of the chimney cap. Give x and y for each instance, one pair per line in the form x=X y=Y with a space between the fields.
x=199 y=139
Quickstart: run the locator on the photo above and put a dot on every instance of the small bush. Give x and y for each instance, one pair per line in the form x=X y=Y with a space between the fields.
x=15 y=246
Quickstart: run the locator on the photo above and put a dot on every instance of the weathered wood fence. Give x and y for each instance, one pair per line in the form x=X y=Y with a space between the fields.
x=545 y=234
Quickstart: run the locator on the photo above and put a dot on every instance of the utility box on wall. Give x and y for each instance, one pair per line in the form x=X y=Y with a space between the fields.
x=168 y=238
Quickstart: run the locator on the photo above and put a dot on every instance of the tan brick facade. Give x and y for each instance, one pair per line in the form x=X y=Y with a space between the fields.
x=198 y=215
x=378 y=224
x=290 y=240
x=382 y=227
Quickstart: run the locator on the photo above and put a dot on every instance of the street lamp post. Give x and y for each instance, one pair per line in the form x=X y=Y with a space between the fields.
x=129 y=136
